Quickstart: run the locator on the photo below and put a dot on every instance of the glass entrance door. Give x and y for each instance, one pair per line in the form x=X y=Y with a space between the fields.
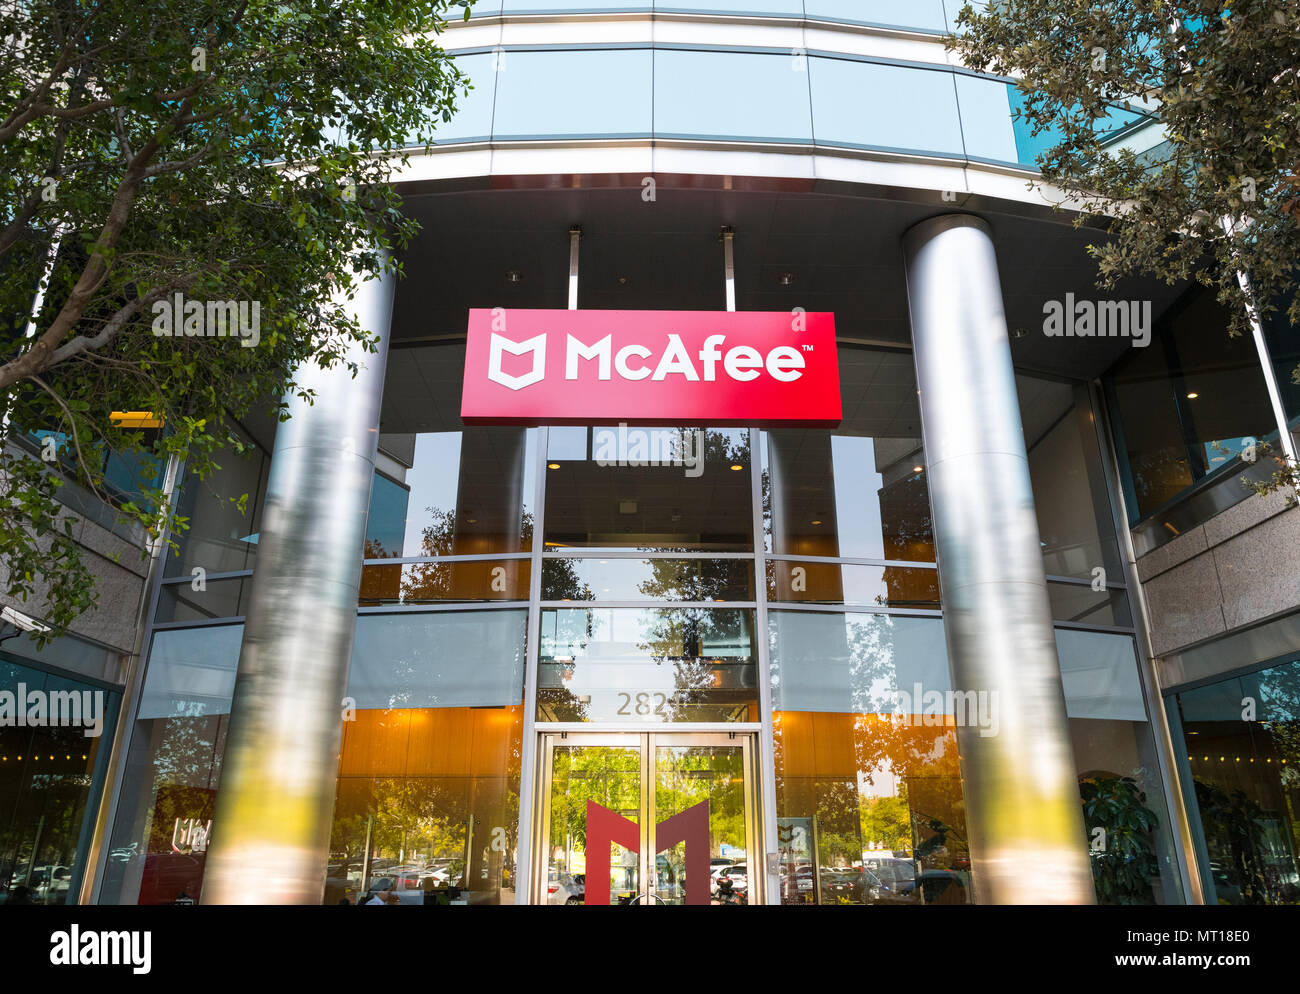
x=647 y=818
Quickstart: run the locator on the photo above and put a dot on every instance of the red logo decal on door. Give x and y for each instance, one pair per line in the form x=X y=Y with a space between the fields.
x=690 y=826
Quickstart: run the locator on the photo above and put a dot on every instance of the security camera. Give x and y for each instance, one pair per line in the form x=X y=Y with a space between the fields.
x=13 y=623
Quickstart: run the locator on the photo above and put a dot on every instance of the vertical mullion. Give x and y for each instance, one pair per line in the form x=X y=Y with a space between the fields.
x=765 y=809
x=524 y=869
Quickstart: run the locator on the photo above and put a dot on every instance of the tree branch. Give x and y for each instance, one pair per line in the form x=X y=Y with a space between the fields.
x=72 y=423
x=40 y=355
x=106 y=334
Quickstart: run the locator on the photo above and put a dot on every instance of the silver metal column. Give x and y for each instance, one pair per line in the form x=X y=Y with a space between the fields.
x=1023 y=812
x=271 y=826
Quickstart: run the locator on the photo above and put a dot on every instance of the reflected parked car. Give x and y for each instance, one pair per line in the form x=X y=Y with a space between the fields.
x=898 y=874
x=942 y=887
x=565 y=888
x=53 y=888
x=737 y=873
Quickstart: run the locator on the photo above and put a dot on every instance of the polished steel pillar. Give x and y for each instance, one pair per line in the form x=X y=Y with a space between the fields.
x=271 y=826
x=1023 y=812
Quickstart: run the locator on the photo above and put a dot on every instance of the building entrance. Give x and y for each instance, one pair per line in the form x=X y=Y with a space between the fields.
x=648 y=818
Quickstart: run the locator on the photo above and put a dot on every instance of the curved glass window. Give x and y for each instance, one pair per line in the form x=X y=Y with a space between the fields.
x=925 y=15
x=565 y=6
x=986 y=128
x=783 y=8
x=868 y=105
x=593 y=92
x=695 y=96
x=473 y=118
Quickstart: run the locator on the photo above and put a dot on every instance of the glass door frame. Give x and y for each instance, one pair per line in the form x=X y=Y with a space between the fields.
x=648 y=740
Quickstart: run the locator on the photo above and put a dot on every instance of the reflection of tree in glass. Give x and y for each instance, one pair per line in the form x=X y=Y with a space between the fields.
x=689 y=775
x=907 y=793
x=1235 y=839
x=712 y=653
x=419 y=827
x=611 y=777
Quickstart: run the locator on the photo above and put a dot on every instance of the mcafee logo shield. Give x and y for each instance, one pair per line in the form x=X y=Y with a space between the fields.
x=500 y=346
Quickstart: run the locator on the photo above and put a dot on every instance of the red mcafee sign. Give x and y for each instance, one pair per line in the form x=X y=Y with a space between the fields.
x=714 y=368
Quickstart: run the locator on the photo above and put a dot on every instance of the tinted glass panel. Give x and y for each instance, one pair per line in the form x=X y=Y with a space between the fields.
x=869 y=795
x=841 y=495
x=695 y=95
x=427 y=811
x=919 y=113
x=222 y=535
x=649 y=488
x=1189 y=404
x=859 y=491
x=537 y=93
x=660 y=665
x=986 y=126
x=1071 y=498
x=647 y=579
x=47 y=782
x=1081 y=604
x=430 y=583
x=452 y=493
x=429 y=766
x=473 y=117
x=217 y=599
x=828 y=583
x=924 y=14
x=791 y=8
x=1242 y=751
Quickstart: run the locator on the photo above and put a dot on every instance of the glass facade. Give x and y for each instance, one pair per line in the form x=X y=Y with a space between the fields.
x=1190 y=406
x=584 y=656
x=51 y=770
x=1242 y=753
x=676 y=91
x=647 y=611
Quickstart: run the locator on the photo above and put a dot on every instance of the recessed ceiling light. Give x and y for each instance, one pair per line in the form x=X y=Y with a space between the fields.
x=918 y=469
x=737 y=467
x=1193 y=395
x=816 y=521
x=552 y=465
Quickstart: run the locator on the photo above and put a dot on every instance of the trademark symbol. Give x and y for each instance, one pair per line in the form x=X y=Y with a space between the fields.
x=807 y=348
